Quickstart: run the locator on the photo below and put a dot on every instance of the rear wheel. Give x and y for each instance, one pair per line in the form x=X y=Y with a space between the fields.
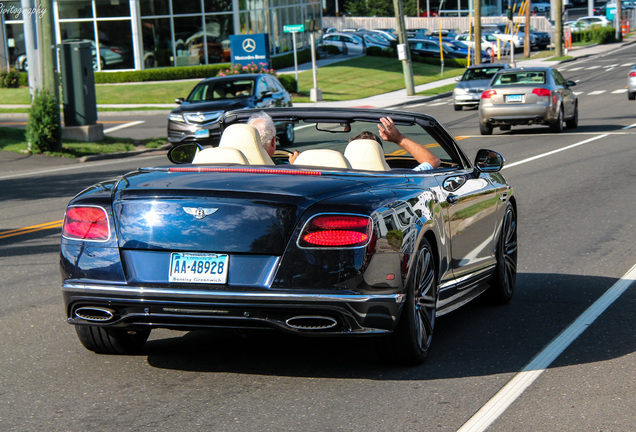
x=557 y=126
x=457 y=107
x=574 y=121
x=631 y=95
x=485 y=129
x=503 y=281
x=410 y=342
x=104 y=340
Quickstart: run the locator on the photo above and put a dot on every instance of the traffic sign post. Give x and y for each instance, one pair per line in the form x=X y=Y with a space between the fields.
x=293 y=29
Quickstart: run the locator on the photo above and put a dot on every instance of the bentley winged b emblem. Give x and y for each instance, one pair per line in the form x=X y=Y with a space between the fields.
x=200 y=212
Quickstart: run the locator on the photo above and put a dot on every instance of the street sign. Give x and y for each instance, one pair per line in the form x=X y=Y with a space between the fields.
x=295 y=28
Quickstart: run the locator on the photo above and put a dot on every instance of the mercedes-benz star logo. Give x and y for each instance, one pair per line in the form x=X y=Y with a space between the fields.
x=249 y=45
x=199 y=212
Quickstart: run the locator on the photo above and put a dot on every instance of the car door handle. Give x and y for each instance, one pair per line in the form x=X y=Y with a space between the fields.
x=452 y=199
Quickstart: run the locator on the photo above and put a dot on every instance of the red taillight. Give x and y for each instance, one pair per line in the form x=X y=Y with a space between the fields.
x=488 y=94
x=632 y=74
x=541 y=92
x=117 y=50
x=86 y=223
x=336 y=231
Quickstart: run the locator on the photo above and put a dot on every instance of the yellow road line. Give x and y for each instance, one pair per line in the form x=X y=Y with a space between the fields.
x=30 y=229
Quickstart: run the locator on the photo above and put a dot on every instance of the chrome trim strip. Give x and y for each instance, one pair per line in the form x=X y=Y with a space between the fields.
x=228 y=295
x=476 y=275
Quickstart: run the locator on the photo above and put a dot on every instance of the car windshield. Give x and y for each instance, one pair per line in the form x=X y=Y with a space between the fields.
x=483 y=73
x=222 y=90
x=523 y=77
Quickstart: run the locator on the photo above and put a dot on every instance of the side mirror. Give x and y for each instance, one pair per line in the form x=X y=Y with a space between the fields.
x=571 y=83
x=488 y=161
x=179 y=101
x=183 y=153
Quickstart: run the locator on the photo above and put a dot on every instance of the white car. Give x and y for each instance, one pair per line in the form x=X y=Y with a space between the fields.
x=540 y=7
x=348 y=43
x=490 y=44
x=631 y=83
x=588 y=22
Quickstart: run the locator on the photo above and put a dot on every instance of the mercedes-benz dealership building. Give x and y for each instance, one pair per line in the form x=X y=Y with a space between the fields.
x=142 y=34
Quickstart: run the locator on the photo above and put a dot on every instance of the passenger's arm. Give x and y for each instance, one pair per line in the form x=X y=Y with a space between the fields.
x=389 y=132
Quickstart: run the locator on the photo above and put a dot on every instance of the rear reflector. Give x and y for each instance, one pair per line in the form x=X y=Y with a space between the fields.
x=336 y=231
x=488 y=94
x=632 y=74
x=86 y=223
x=541 y=92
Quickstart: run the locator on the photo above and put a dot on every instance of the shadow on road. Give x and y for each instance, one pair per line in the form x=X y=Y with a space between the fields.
x=479 y=339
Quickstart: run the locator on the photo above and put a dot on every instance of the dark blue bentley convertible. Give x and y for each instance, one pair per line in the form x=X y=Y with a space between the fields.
x=348 y=240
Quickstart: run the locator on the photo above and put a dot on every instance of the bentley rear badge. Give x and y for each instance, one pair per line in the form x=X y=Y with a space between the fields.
x=200 y=212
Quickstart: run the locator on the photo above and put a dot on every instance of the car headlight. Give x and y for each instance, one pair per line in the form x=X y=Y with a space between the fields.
x=459 y=91
x=176 y=117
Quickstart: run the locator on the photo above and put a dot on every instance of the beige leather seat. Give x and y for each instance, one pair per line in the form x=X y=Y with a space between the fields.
x=322 y=158
x=224 y=155
x=366 y=154
x=246 y=139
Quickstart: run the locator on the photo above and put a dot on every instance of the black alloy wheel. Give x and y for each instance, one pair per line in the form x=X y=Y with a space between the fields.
x=410 y=343
x=104 y=340
x=574 y=121
x=485 y=129
x=503 y=281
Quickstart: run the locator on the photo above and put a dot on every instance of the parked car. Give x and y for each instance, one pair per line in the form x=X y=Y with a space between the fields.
x=489 y=43
x=417 y=33
x=527 y=96
x=344 y=242
x=538 y=39
x=390 y=36
x=588 y=22
x=464 y=49
x=540 y=7
x=472 y=84
x=631 y=83
x=447 y=35
x=348 y=43
x=197 y=117
x=429 y=48
x=505 y=34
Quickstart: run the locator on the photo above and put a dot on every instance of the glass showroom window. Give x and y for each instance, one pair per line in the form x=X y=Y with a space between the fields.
x=218 y=29
x=188 y=37
x=157 y=42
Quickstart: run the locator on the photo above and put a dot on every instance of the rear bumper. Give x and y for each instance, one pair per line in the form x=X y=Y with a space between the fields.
x=517 y=115
x=329 y=313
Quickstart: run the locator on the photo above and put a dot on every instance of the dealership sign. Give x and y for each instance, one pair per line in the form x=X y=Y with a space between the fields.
x=253 y=48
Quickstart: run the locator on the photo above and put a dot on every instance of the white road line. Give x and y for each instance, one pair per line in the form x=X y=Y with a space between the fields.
x=71 y=167
x=493 y=409
x=592 y=67
x=597 y=92
x=627 y=64
x=619 y=91
x=575 y=69
x=555 y=151
x=123 y=126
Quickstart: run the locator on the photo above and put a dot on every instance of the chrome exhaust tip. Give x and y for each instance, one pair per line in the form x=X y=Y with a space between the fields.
x=95 y=314
x=311 y=322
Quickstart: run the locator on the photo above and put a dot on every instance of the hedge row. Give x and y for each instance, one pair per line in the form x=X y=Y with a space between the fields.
x=599 y=35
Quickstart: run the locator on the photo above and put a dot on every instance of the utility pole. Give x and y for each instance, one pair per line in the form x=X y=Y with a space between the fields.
x=558 y=28
x=618 y=19
x=404 y=53
x=477 y=5
x=526 y=42
x=47 y=47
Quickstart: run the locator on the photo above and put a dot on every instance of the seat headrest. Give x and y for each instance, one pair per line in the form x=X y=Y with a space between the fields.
x=322 y=158
x=246 y=138
x=366 y=154
x=227 y=155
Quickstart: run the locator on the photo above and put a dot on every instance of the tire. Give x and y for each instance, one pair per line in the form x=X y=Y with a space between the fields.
x=557 y=126
x=485 y=129
x=502 y=284
x=631 y=95
x=457 y=107
x=288 y=137
x=104 y=340
x=574 y=121
x=411 y=340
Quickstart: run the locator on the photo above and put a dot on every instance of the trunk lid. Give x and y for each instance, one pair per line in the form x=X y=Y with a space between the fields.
x=237 y=212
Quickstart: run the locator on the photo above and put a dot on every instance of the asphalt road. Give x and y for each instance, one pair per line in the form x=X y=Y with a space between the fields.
x=577 y=240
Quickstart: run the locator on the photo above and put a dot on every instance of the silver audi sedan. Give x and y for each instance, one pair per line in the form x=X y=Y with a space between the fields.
x=528 y=96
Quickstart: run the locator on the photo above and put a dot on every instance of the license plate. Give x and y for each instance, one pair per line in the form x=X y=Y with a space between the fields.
x=202 y=133
x=514 y=98
x=198 y=268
